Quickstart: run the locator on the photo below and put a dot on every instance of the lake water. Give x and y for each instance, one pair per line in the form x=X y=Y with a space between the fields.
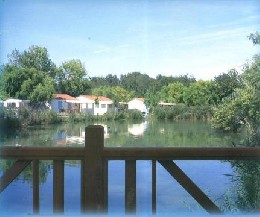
x=228 y=183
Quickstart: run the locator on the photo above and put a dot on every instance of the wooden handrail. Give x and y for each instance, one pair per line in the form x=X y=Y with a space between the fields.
x=120 y=153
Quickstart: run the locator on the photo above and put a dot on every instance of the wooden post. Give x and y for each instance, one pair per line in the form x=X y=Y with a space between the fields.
x=36 y=196
x=96 y=174
x=130 y=186
x=154 y=186
x=58 y=186
x=83 y=187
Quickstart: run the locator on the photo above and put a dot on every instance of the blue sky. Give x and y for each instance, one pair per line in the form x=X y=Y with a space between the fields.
x=200 y=38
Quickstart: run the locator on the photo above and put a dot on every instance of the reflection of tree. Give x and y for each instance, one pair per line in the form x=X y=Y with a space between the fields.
x=245 y=193
x=27 y=174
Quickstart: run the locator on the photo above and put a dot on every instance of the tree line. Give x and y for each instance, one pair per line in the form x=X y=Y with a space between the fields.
x=32 y=75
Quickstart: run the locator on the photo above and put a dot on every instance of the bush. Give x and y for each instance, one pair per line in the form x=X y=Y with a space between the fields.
x=183 y=112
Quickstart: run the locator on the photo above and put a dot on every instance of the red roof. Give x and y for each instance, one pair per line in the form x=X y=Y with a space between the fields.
x=100 y=98
x=63 y=96
x=140 y=99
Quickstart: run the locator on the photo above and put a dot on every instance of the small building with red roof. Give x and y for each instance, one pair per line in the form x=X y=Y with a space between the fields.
x=96 y=105
x=64 y=103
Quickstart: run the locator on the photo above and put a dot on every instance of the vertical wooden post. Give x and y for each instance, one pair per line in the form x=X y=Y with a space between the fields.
x=58 y=186
x=96 y=186
x=130 y=186
x=36 y=198
x=83 y=187
x=154 y=186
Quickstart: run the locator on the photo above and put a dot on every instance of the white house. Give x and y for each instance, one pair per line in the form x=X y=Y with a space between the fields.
x=64 y=103
x=138 y=103
x=15 y=103
x=95 y=105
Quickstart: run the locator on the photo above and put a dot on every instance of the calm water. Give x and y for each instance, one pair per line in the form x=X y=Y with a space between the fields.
x=228 y=184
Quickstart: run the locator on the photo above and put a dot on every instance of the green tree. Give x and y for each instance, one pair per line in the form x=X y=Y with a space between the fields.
x=255 y=38
x=198 y=93
x=117 y=93
x=35 y=57
x=172 y=93
x=27 y=83
x=245 y=105
x=224 y=85
x=137 y=82
x=72 y=78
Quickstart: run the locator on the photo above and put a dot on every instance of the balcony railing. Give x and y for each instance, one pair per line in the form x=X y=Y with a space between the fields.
x=94 y=169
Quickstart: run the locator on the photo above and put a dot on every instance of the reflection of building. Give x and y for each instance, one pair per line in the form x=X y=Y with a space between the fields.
x=137 y=129
x=138 y=103
x=106 y=131
x=65 y=137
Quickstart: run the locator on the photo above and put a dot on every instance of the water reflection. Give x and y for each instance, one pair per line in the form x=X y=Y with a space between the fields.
x=137 y=129
x=117 y=134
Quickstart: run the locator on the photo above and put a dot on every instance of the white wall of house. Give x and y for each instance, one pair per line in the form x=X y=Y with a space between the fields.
x=103 y=107
x=89 y=106
x=86 y=105
x=137 y=104
x=15 y=103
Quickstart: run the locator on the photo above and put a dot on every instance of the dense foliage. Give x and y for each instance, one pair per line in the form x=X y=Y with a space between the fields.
x=243 y=107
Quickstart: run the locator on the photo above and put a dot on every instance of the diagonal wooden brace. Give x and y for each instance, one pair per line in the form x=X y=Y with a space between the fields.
x=12 y=173
x=190 y=186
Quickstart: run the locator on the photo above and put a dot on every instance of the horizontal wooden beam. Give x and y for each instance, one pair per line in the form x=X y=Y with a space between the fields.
x=42 y=153
x=186 y=153
x=120 y=153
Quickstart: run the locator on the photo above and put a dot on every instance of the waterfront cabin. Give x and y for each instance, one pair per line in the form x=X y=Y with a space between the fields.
x=95 y=105
x=64 y=103
x=15 y=103
x=138 y=104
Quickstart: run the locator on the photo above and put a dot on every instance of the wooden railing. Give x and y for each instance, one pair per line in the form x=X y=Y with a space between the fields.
x=94 y=169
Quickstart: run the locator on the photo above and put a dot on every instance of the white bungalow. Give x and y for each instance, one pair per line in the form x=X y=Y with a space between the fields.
x=138 y=103
x=15 y=103
x=95 y=105
x=64 y=103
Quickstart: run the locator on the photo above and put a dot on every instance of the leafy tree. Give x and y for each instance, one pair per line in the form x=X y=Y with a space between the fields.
x=117 y=94
x=255 y=37
x=35 y=57
x=186 y=80
x=198 y=93
x=27 y=83
x=137 y=82
x=72 y=78
x=224 y=85
x=172 y=93
x=245 y=105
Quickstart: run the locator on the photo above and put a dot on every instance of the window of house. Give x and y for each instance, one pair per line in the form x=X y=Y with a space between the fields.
x=103 y=105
